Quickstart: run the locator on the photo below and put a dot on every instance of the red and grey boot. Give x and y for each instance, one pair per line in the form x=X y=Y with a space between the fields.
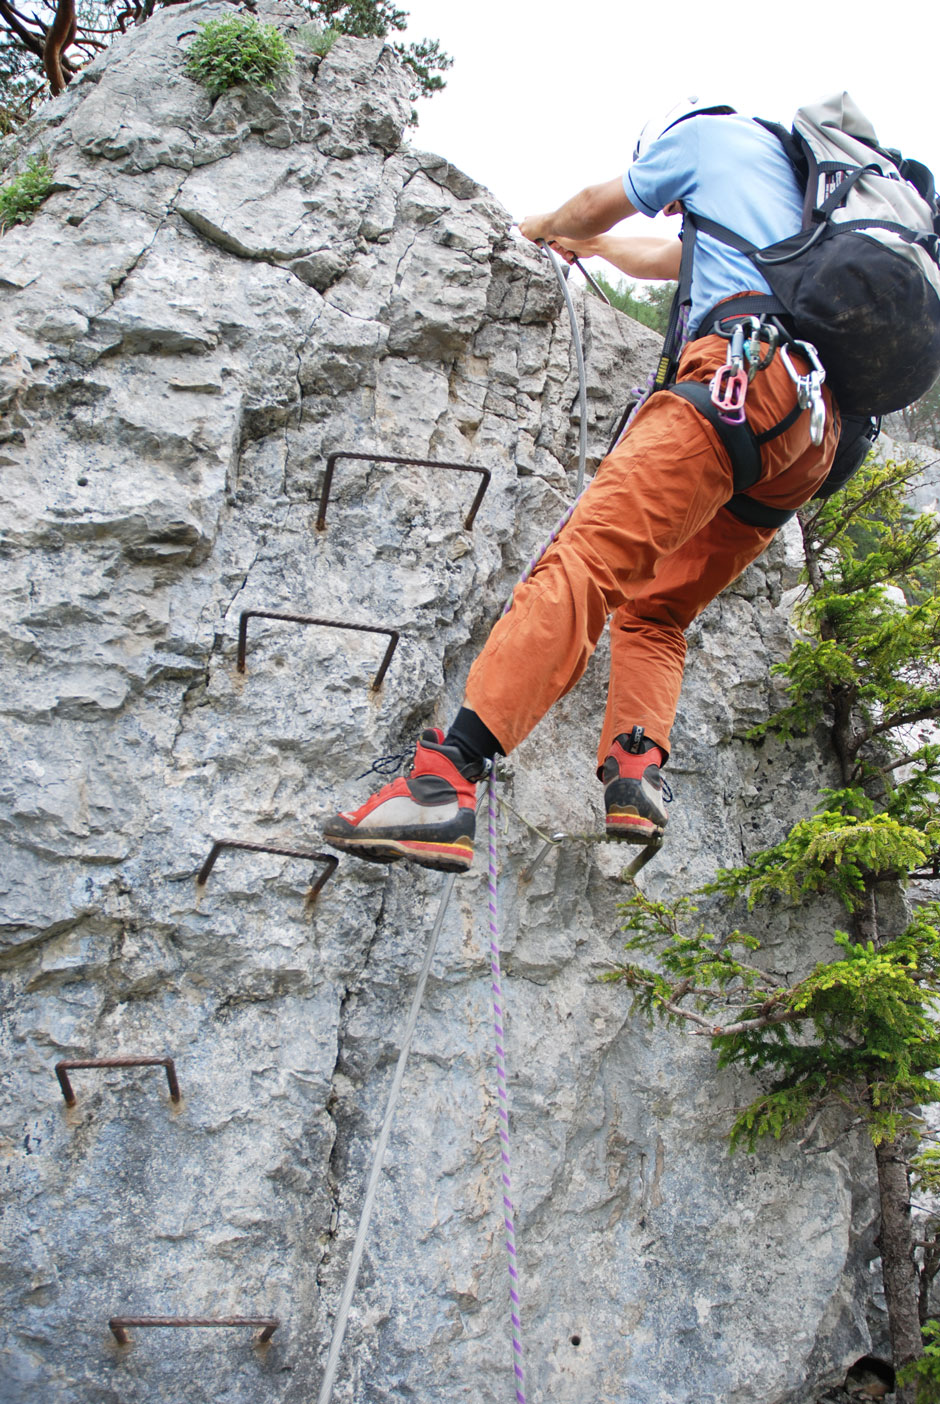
x=428 y=817
x=633 y=797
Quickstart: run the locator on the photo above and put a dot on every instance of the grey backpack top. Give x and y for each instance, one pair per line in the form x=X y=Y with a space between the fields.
x=861 y=280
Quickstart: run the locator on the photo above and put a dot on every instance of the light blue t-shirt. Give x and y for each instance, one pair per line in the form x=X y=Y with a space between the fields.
x=729 y=169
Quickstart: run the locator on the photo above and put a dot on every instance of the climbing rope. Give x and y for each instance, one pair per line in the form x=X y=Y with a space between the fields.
x=556 y=530
x=385 y=765
x=629 y=873
x=381 y=1145
x=643 y=392
x=579 y=353
x=503 y=1099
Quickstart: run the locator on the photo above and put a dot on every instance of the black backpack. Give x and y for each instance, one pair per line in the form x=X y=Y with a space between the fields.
x=860 y=281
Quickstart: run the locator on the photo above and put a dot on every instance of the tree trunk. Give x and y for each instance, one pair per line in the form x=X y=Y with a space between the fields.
x=897 y=1259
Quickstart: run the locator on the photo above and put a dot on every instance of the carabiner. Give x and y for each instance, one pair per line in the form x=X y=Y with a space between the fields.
x=728 y=389
x=761 y=331
x=808 y=387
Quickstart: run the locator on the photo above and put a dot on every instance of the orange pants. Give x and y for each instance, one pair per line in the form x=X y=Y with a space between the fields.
x=651 y=544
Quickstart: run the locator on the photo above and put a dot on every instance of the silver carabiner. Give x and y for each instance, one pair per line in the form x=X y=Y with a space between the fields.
x=817 y=418
x=760 y=330
x=808 y=387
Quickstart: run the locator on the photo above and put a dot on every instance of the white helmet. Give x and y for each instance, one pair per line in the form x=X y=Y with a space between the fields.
x=685 y=107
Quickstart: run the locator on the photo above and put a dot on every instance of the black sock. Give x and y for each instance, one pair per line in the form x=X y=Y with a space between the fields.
x=473 y=739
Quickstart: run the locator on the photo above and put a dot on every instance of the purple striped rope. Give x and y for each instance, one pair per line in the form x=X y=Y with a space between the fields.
x=682 y=336
x=503 y=1109
x=556 y=532
x=682 y=332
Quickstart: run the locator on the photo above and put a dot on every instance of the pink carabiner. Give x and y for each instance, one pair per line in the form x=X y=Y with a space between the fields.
x=728 y=388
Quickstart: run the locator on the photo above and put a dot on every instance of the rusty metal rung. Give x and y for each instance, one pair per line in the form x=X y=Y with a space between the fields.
x=404 y=463
x=68 y=1065
x=119 y=1324
x=330 y=859
x=322 y=623
x=647 y=852
x=529 y=870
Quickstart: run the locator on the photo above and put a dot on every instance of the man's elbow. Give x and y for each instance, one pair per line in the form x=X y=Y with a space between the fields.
x=605 y=205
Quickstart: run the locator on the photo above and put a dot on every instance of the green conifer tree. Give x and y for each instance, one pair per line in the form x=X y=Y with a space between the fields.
x=856 y=1037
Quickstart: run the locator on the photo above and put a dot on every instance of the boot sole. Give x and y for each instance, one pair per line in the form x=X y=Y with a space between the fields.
x=631 y=828
x=441 y=857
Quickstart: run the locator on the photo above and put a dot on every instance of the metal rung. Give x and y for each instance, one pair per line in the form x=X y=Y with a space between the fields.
x=330 y=859
x=323 y=624
x=404 y=463
x=63 y=1069
x=119 y=1324
x=647 y=852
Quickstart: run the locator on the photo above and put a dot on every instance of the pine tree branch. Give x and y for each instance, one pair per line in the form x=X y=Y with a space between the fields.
x=906 y=759
x=871 y=495
x=762 y=1021
x=58 y=38
x=931 y=713
x=12 y=19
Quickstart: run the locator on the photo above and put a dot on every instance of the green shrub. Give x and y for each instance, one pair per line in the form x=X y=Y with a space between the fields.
x=21 y=197
x=237 y=50
x=319 y=41
x=925 y=1372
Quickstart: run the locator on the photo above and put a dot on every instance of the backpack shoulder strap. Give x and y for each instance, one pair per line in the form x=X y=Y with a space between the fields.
x=678 y=312
x=802 y=162
x=793 y=148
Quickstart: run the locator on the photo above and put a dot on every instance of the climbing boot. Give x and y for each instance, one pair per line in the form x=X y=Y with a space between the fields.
x=633 y=794
x=428 y=817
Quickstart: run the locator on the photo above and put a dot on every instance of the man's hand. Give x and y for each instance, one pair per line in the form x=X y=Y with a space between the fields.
x=536 y=227
x=571 y=249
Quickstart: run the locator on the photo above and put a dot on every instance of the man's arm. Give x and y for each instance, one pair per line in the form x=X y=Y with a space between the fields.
x=646 y=256
x=592 y=211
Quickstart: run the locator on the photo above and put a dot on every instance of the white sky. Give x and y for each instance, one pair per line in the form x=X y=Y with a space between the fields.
x=546 y=98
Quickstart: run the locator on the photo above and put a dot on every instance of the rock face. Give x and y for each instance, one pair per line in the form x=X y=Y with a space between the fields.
x=217 y=297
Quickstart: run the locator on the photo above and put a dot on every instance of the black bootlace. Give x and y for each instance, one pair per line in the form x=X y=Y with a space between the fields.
x=387 y=765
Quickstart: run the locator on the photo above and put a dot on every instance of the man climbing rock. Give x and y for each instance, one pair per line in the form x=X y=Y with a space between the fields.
x=661 y=529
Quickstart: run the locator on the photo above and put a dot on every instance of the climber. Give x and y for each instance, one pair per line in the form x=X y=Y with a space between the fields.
x=651 y=540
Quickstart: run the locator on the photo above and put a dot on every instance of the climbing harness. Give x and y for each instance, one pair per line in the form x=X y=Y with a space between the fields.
x=871 y=220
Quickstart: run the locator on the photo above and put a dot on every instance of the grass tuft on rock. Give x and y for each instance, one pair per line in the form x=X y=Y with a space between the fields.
x=319 y=41
x=21 y=197
x=237 y=50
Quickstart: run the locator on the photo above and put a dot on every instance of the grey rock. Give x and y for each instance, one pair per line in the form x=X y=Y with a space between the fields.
x=216 y=298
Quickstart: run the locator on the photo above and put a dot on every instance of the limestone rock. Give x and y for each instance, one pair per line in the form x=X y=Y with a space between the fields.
x=216 y=298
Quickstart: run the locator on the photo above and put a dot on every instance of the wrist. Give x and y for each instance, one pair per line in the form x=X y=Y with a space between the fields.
x=536 y=227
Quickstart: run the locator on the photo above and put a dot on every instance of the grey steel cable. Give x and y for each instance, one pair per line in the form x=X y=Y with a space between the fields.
x=579 y=352
x=378 y=1157
x=592 y=281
